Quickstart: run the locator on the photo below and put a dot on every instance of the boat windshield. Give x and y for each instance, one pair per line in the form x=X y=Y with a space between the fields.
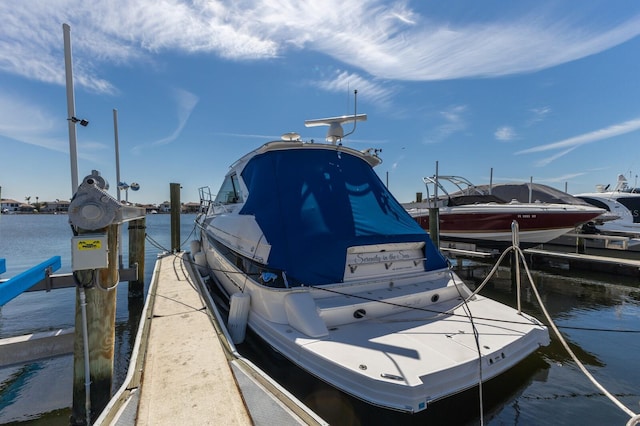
x=229 y=192
x=312 y=204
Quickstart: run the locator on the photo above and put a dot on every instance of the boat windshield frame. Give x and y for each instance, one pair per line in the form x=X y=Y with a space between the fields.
x=464 y=186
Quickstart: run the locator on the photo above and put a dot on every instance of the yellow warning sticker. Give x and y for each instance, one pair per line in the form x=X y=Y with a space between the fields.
x=89 y=244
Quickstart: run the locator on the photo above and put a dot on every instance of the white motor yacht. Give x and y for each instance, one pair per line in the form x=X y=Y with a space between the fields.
x=331 y=271
x=623 y=202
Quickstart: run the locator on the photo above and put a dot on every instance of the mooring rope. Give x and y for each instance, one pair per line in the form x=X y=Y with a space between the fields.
x=515 y=247
x=635 y=418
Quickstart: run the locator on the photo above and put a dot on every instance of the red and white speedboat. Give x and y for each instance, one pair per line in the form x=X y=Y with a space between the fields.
x=473 y=215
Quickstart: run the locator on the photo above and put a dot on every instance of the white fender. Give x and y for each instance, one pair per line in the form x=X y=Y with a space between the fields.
x=195 y=247
x=238 y=314
x=200 y=260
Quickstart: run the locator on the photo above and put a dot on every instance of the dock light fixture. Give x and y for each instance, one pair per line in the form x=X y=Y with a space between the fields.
x=123 y=186
x=82 y=121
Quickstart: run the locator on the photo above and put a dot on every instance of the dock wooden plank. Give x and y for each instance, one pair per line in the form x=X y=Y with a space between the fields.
x=187 y=378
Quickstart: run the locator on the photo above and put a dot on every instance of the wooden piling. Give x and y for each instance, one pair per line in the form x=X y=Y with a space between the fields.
x=137 y=234
x=101 y=313
x=581 y=245
x=175 y=216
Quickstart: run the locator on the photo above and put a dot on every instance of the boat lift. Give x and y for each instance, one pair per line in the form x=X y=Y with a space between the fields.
x=13 y=287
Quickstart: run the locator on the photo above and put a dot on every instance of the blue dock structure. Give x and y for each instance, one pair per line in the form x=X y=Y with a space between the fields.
x=22 y=282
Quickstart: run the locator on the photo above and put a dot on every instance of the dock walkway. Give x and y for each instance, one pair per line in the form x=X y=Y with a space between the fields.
x=186 y=374
x=182 y=370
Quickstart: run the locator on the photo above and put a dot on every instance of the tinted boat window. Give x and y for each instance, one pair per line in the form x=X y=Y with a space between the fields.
x=596 y=203
x=633 y=204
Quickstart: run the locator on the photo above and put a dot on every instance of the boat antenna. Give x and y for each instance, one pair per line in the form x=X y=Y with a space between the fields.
x=355 y=109
x=335 y=134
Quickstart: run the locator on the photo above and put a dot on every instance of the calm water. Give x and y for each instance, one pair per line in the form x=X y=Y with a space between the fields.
x=546 y=389
x=46 y=386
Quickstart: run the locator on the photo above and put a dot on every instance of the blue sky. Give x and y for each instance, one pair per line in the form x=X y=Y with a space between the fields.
x=547 y=90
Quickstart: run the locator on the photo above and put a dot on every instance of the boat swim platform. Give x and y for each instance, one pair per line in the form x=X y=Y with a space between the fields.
x=184 y=368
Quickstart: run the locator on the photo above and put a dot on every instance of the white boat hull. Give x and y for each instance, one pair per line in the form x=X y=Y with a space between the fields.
x=403 y=359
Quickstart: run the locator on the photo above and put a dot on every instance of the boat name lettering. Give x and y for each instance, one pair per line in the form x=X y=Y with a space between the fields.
x=381 y=257
x=527 y=216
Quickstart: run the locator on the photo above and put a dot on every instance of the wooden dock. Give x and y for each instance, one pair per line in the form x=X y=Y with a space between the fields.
x=567 y=260
x=607 y=254
x=185 y=370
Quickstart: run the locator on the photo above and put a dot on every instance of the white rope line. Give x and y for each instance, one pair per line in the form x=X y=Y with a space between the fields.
x=634 y=417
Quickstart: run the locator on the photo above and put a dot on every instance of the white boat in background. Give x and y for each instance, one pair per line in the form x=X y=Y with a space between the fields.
x=623 y=202
x=333 y=273
x=477 y=215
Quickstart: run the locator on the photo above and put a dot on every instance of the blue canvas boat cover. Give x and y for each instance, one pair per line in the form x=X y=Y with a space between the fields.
x=312 y=204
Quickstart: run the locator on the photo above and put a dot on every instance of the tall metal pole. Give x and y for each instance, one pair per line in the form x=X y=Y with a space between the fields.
x=115 y=133
x=434 y=214
x=71 y=108
x=491 y=181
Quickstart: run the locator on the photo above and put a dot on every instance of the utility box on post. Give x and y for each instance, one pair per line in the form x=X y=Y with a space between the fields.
x=89 y=251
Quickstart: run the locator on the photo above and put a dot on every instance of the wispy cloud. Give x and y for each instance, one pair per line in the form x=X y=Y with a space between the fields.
x=563 y=178
x=539 y=114
x=370 y=90
x=385 y=41
x=505 y=133
x=551 y=159
x=14 y=111
x=421 y=48
x=568 y=145
x=453 y=122
x=598 y=135
x=43 y=129
x=396 y=163
x=186 y=102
